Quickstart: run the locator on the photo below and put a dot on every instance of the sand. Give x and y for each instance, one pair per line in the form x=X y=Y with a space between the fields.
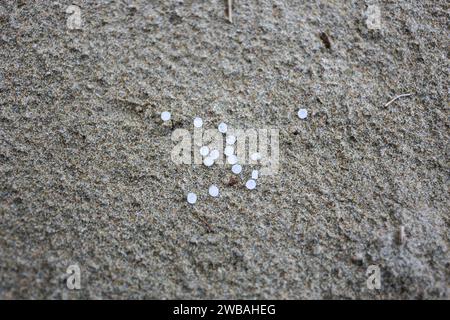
x=86 y=175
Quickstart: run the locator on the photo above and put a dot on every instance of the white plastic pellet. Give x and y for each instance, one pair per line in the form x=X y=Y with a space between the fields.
x=255 y=156
x=237 y=168
x=229 y=150
x=198 y=122
x=191 y=198
x=255 y=174
x=214 y=154
x=231 y=139
x=213 y=191
x=302 y=113
x=165 y=116
x=208 y=161
x=250 y=184
x=223 y=127
x=204 y=151
x=232 y=159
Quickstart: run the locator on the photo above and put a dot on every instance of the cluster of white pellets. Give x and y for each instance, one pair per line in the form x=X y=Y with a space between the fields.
x=210 y=156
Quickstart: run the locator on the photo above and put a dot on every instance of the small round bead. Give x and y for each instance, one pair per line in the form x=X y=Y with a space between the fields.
x=232 y=159
x=230 y=139
x=237 y=168
x=250 y=184
x=204 y=151
x=223 y=127
x=255 y=156
x=213 y=191
x=302 y=113
x=191 y=198
x=198 y=122
x=165 y=116
x=229 y=150
x=214 y=154
x=255 y=174
x=208 y=161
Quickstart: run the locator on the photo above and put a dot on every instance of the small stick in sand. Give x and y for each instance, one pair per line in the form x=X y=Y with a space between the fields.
x=203 y=219
x=230 y=11
x=398 y=97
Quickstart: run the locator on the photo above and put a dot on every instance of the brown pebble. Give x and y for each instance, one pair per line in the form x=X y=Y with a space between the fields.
x=232 y=181
x=326 y=40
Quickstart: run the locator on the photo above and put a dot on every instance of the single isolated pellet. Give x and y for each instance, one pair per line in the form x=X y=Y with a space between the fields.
x=255 y=174
x=231 y=139
x=250 y=184
x=255 y=156
x=198 y=122
x=165 y=116
x=204 y=151
x=302 y=113
x=237 y=168
x=214 y=154
x=213 y=191
x=191 y=198
x=229 y=150
x=208 y=161
x=232 y=159
x=223 y=127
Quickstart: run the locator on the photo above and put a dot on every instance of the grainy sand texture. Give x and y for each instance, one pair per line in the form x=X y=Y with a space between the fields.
x=86 y=175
